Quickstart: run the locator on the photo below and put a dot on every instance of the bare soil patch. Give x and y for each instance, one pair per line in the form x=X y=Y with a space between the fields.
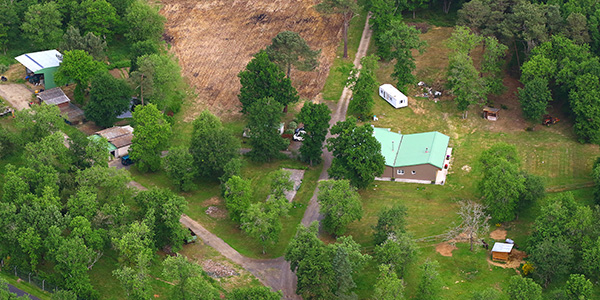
x=516 y=259
x=213 y=201
x=511 y=116
x=89 y=128
x=17 y=95
x=120 y=73
x=214 y=40
x=216 y=212
x=445 y=249
x=498 y=234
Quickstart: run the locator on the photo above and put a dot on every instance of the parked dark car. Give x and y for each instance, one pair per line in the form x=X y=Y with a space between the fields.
x=126 y=160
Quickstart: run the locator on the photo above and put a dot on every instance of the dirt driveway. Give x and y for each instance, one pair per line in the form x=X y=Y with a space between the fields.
x=17 y=95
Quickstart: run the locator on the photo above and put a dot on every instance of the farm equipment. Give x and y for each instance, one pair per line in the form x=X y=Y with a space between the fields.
x=549 y=120
x=4 y=111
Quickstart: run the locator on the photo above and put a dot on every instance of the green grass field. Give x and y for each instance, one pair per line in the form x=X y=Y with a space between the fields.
x=550 y=152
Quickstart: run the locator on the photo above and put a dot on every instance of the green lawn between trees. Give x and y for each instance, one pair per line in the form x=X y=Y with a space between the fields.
x=550 y=152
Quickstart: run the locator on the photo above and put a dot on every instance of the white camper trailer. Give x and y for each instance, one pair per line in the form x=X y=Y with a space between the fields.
x=393 y=96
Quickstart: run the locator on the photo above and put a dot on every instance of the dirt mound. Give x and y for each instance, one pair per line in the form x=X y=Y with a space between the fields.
x=217 y=270
x=498 y=234
x=516 y=259
x=445 y=249
x=214 y=40
x=216 y=212
x=213 y=201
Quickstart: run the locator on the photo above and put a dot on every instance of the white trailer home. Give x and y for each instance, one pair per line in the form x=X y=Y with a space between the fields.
x=393 y=96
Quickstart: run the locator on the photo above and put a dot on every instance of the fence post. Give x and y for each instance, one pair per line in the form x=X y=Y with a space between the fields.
x=43 y=285
x=30 y=277
x=16 y=271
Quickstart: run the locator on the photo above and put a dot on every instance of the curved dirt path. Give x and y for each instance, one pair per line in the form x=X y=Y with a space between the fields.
x=276 y=272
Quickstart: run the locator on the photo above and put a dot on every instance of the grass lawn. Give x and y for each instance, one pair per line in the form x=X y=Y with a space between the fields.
x=550 y=152
x=26 y=287
x=208 y=194
x=334 y=84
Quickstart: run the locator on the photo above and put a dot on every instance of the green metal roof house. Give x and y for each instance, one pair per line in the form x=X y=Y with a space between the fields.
x=43 y=62
x=418 y=157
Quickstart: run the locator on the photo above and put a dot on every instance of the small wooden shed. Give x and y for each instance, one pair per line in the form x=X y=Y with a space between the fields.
x=490 y=113
x=501 y=251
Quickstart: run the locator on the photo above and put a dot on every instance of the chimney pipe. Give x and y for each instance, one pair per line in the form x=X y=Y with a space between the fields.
x=426 y=150
x=392 y=145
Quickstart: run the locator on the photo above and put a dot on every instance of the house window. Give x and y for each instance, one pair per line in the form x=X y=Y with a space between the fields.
x=413 y=172
x=400 y=172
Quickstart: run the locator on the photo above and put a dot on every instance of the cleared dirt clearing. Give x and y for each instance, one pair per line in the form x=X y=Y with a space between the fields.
x=214 y=40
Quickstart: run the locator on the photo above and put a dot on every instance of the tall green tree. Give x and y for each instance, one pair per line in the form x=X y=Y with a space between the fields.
x=188 y=280
x=403 y=39
x=263 y=78
x=309 y=258
x=42 y=25
x=429 y=283
x=522 y=288
x=397 y=252
x=289 y=49
x=179 y=165
x=262 y=223
x=98 y=17
x=584 y=101
x=91 y=43
x=362 y=82
x=212 y=146
x=80 y=67
x=502 y=183
x=390 y=221
x=578 y=287
x=492 y=65
x=346 y=8
x=357 y=154
x=264 y=116
x=150 y=136
x=141 y=48
x=157 y=80
x=71 y=262
x=382 y=14
x=238 y=196
x=464 y=82
x=262 y=293
x=340 y=205
x=551 y=259
x=109 y=97
x=37 y=123
x=162 y=208
x=388 y=286
x=315 y=117
x=534 y=98
x=143 y=22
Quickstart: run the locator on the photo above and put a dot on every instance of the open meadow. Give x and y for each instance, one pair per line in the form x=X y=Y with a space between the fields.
x=551 y=152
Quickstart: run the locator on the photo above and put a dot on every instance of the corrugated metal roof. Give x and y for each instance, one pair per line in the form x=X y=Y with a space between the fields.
x=115 y=132
x=40 y=60
x=412 y=149
x=53 y=96
x=122 y=141
x=502 y=247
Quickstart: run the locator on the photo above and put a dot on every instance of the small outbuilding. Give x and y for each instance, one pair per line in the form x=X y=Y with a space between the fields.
x=502 y=251
x=41 y=67
x=393 y=96
x=490 y=113
x=57 y=97
x=119 y=138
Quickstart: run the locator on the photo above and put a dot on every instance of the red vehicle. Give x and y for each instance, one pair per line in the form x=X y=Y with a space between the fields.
x=549 y=120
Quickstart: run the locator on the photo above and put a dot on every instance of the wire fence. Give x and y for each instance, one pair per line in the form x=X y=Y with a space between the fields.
x=32 y=278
